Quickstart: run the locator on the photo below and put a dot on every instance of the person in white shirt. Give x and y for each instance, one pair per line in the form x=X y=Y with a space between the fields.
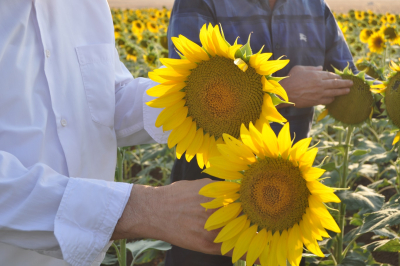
x=66 y=103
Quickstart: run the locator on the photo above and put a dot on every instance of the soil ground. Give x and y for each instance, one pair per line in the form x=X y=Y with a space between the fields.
x=340 y=6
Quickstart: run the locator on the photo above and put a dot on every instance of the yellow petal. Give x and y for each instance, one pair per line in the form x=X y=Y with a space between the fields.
x=239 y=148
x=233 y=228
x=322 y=115
x=270 y=140
x=269 y=110
x=167 y=100
x=316 y=187
x=243 y=243
x=273 y=258
x=295 y=245
x=308 y=158
x=161 y=90
x=272 y=86
x=284 y=141
x=179 y=132
x=223 y=174
x=223 y=215
x=313 y=173
x=232 y=51
x=271 y=67
x=309 y=241
x=264 y=256
x=319 y=209
x=396 y=138
x=202 y=155
x=256 y=247
x=219 y=43
x=257 y=59
x=195 y=145
x=213 y=150
x=170 y=74
x=195 y=49
x=204 y=40
x=168 y=112
x=327 y=197
x=222 y=163
x=231 y=156
x=179 y=117
x=185 y=142
x=219 y=188
x=154 y=77
x=247 y=139
x=178 y=64
x=282 y=250
x=299 y=149
x=230 y=244
x=221 y=201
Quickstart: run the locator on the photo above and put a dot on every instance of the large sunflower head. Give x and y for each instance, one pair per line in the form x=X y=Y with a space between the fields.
x=271 y=189
x=377 y=42
x=212 y=90
x=355 y=107
x=390 y=91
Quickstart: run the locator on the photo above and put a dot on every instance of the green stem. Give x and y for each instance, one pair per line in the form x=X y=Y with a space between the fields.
x=342 y=206
x=120 y=178
x=117 y=252
x=240 y=263
x=349 y=246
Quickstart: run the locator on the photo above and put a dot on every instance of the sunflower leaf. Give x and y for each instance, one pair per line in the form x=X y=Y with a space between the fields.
x=388 y=245
x=380 y=219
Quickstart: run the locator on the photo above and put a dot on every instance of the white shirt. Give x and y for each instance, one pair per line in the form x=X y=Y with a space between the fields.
x=66 y=102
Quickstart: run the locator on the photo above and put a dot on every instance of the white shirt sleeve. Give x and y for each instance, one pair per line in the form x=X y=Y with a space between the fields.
x=134 y=121
x=48 y=212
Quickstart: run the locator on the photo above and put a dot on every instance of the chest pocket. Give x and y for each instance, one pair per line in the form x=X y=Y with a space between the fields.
x=97 y=68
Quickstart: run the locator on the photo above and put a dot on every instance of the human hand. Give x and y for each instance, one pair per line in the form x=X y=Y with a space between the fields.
x=308 y=86
x=170 y=213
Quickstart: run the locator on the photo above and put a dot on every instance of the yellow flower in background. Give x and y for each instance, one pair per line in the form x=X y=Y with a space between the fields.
x=365 y=34
x=390 y=33
x=360 y=15
x=390 y=91
x=278 y=204
x=213 y=90
x=391 y=18
x=376 y=42
x=152 y=27
x=138 y=26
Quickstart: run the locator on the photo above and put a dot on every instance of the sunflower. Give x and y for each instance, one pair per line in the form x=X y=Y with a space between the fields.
x=365 y=34
x=391 y=18
x=152 y=26
x=376 y=42
x=359 y=15
x=355 y=107
x=275 y=192
x=137 y=26
x=150 y=59
x=390 y=91
x=390 y=33
x=370 y=68
x=131 y=52
x=213 y=90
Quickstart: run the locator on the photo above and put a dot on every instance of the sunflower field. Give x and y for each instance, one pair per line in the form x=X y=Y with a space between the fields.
x=357 y=163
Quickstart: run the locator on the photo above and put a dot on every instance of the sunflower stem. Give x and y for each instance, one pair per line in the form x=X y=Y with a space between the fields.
x=342 y=207
x=119 y=177
x=240 y=263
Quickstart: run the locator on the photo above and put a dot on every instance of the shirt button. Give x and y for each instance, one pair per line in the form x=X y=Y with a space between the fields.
x=63 y=122
x=47 y=52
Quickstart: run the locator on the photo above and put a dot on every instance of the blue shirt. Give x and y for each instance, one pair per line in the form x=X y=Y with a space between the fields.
x=305 y=31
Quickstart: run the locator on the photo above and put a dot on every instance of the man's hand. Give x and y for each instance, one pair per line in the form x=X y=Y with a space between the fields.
x=308 y=86
x=170 y=213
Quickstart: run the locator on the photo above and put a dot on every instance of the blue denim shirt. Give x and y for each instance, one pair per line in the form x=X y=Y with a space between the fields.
x=305 y=31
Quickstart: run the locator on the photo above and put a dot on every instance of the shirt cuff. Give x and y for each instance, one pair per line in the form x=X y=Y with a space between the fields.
x=87 y=216
x=150 y=115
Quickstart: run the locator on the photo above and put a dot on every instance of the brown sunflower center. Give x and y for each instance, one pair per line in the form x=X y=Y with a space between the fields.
x=220 y=96
x=392 y=99
x=274 y=194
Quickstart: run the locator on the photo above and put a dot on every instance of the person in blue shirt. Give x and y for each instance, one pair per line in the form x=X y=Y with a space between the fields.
x=305 y=31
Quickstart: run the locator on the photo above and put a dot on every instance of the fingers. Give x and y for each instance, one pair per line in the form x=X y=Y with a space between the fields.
x=329 y=75
x=336 y=83
x=336 y=92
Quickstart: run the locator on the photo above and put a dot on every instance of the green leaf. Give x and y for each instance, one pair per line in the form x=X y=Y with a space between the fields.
x=140 y=246
x=363 y=199
x=352 y=262
x=360 y=152
x=329 y=167
x=109 y=259
x=388 y=245
x=386 y=232
x=380 y=219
